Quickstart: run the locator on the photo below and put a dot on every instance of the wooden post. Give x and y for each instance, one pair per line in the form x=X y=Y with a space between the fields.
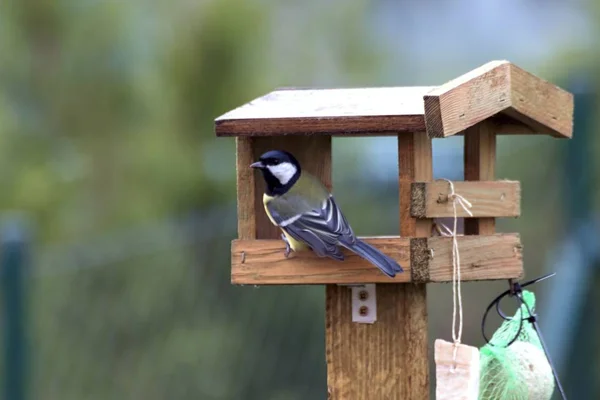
x=414 y=164
x=480 y=165
x=371 y=361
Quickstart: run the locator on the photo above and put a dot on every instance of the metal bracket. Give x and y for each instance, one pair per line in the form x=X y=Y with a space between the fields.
x=364 y=304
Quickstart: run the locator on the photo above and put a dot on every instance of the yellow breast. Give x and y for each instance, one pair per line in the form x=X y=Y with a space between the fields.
x=294 y=244
x=266 y=199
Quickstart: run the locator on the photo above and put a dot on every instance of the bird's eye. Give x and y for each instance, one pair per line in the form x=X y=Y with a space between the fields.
x=275 y=162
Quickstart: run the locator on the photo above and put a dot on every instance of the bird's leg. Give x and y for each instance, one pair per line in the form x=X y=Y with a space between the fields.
x=288 y=248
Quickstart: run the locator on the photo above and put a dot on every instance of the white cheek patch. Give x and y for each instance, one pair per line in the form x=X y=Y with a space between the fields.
x=283 y=172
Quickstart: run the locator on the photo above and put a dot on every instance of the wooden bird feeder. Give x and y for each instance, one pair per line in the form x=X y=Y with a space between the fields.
x=388 y=358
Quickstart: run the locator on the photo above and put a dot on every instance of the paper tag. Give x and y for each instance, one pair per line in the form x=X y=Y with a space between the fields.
x=456 y=380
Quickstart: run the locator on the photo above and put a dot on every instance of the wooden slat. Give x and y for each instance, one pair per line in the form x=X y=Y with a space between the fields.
x=488 y=198
x=486 y=257
x=261 y=262
x=480 y=165
x=499 y=87
x=265 y=264
x=356 y=112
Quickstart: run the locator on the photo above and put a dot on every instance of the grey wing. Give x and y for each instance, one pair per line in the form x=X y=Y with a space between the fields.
x=321 y=226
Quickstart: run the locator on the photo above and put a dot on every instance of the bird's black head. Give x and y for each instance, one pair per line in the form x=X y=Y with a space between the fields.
x=280 y=170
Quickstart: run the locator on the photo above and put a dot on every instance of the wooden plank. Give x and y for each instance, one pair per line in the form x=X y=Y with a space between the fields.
x=540 y=104
x=456 y=378
x=356 y=112
x=486 y=257
x=480 y=165
x=499 y=87
x=489 y=199
x=261 y=262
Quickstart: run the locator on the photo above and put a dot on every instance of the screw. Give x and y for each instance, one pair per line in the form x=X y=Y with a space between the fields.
x=363 y=311
x=363 y=295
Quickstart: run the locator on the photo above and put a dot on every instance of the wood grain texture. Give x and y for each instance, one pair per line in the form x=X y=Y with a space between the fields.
x=480 y=165
x=357 y=112
x=245 y=189
x=499 y=87
x=488 y=198
x=415 y=163
x=261 y=262
x=540 y=104
x=485 y=257
x=367 y=361
x=467 y=100
x=456 y=378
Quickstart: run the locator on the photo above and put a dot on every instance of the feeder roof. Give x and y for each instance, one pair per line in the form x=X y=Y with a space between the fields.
x=520 y=102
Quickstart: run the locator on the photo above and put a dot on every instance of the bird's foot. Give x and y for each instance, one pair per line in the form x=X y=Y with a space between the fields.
x=288 y=248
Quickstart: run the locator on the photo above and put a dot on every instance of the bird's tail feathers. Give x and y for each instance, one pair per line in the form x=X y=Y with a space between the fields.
x=385 y=263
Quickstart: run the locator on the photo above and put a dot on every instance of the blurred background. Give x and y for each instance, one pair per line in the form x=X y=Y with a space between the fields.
x=117 y=201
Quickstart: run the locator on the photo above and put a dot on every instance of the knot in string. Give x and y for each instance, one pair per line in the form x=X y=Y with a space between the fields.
x=457 y=198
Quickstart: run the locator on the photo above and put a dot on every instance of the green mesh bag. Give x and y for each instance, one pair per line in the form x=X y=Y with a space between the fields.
x=519 y=371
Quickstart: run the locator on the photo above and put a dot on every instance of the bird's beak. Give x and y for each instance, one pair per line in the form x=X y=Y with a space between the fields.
x=257 y=164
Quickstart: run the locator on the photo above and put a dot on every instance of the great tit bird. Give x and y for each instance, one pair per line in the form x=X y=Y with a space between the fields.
x=308 y=215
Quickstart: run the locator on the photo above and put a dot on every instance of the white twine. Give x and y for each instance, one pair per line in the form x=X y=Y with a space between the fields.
x=456 y=289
